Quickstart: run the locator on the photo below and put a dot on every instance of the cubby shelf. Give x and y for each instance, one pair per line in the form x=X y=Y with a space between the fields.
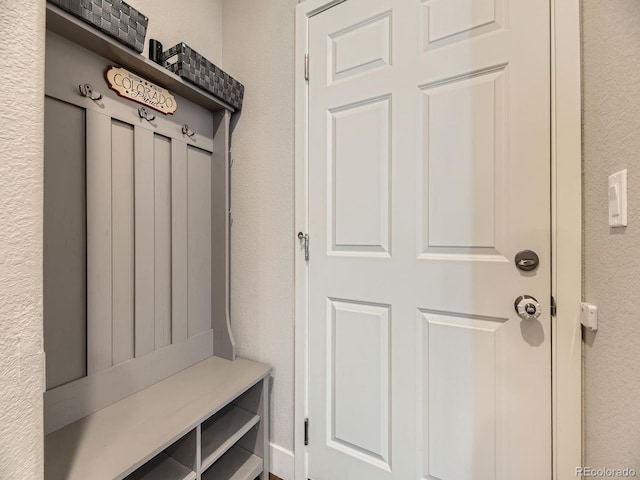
x=223 y=431
x=163 y=467
x=236 y=464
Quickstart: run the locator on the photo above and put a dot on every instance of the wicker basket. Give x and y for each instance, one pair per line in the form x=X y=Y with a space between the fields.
x=193 y=67
x=113 y=17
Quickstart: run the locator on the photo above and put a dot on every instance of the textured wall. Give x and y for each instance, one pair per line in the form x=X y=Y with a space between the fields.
x=258 y=42
x=198 y=23
x=21 y=140
x=611 y=105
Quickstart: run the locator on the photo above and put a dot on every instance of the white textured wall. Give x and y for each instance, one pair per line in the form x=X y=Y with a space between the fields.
x=198 y=23
x=21 y=142
x=611 y=105
x=258 y=43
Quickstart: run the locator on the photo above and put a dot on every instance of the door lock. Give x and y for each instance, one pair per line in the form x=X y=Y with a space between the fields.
x=527 y=307
x=527 y=260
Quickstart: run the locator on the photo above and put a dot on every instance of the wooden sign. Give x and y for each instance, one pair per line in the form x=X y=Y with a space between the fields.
x=131 y=86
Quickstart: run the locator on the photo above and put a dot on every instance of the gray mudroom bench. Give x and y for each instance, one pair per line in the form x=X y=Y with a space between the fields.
x=142 y=378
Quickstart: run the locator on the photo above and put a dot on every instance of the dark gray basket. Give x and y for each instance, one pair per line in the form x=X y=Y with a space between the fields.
x=113 y=17
x=193 y=67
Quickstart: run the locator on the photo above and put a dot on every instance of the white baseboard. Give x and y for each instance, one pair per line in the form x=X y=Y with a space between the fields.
x=282 y=462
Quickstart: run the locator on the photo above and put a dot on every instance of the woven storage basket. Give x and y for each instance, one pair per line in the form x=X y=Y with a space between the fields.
x=113 y=17
x=193 y=67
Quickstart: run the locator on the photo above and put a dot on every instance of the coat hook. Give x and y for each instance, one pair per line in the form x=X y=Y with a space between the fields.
x=144 y=113
x=187 y=131
x=86 y=90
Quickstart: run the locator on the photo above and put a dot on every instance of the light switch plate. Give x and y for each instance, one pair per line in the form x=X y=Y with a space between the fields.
x=617 y=197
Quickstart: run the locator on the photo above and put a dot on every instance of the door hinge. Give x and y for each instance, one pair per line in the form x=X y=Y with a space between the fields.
x=306 y=431
x=306 y=66
x=554 y=308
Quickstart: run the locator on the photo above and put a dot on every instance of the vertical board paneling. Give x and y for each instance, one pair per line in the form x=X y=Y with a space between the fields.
x=65 y=268
x=179 y=246
x=122 y=224
x=224 y=345
x=199 y=239
x=162 y=187
x=145 y=244
x=99 y=281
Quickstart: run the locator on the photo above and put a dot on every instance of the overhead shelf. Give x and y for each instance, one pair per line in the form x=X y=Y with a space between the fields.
x=74 y=29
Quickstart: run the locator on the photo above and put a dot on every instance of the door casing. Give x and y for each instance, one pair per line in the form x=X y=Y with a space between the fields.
x=566 y=234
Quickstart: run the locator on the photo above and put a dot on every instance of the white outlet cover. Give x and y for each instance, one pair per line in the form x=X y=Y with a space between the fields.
x=589 y=316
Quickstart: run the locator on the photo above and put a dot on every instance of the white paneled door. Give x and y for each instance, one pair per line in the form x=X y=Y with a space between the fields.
x=429 y=170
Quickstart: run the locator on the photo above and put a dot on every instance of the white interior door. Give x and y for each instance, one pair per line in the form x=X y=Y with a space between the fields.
x=429 y=169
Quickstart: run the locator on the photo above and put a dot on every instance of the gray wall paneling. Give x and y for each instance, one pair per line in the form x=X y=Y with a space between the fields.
x=145 y=242
x=199 y=166
x=179 y=247
x=157 y=242
x=123 y=241
x=162 y=237
x=99 y=236
x=65 y=330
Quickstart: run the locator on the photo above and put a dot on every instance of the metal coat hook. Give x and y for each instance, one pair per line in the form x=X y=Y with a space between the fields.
x=144 y=113
x=187 y=131
x=86 y=90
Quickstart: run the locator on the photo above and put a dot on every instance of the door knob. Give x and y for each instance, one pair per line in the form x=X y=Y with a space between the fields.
x=527 y=307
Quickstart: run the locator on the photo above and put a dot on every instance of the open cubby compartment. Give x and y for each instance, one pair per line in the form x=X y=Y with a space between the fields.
x=253 y=400
x=238 y=424
x=223 y=430
x=176 y=462
x=238 y=462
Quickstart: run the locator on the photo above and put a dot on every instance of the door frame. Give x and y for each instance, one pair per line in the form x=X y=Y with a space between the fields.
x=566 y=235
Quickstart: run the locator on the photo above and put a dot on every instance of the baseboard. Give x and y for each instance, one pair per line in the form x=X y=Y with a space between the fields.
x=282 y=462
